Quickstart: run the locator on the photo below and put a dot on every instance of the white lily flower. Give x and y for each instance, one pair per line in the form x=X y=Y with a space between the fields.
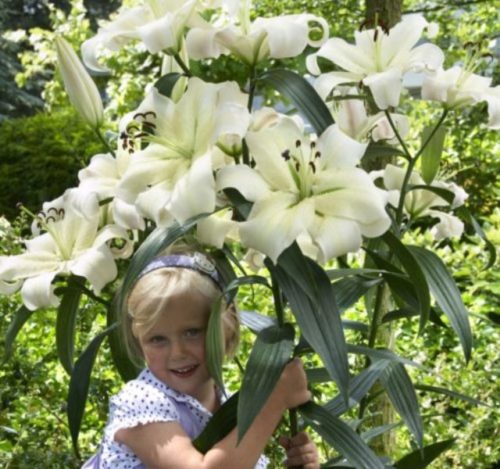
x=458 y=86
x=278 y=37
x=159 y=24
x=378 y=60
x=173 y=176
x=102 y=177
x=73 y=244
x=301 y=188
x=353 y=120
x=448 y=226
x=81 y=89
x=217 y=228
x=421 y=202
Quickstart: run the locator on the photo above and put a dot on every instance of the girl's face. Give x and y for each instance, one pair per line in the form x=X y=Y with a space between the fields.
x=174 y=347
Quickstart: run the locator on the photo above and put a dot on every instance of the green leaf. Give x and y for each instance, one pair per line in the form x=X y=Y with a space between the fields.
x=466 y=215
x=317 y=375
x=66 y=322
x=434 y=317
x=79 y=385
x=348 y=291
x=20 y=318
x=380 y=354
x=431 y=156
x=270 y=353
x=445 y=194
x=308 y=289
x=446 y=294
x=380 y=150
x=166 y=83
x=241 y=206
x=449 y=392
x=414 y=271
x=402 y=394
x=219 y=426
x=421 y=458
x=214 y=344
x=339 y=435
x=358 y=387
x=255 y=321
x=303 y=95
x=377 y=431
x=127 y=369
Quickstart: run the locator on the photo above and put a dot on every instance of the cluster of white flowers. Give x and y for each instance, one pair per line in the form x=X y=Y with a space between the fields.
x=176 y=155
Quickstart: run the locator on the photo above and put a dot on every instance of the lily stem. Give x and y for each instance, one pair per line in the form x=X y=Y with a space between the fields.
x=101 y=137
x=375 y=323
x=183 y=66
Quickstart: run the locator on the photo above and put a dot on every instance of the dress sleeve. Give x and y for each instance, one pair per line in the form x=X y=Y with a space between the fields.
x=139 y=403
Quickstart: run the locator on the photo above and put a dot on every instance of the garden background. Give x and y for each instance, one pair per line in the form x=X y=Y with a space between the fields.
x=43 y=144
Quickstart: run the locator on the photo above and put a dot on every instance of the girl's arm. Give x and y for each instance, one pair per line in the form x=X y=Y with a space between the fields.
x=166 y=445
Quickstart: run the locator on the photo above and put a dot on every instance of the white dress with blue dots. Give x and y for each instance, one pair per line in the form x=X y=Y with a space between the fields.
x=146 y=400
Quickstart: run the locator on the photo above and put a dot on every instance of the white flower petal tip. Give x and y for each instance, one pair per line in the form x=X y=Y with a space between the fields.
x=81 y=89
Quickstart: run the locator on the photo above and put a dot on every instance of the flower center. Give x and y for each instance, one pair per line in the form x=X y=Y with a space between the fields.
x=302 y=165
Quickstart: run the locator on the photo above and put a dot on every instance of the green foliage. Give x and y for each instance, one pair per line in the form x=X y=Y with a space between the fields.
x=40 y=157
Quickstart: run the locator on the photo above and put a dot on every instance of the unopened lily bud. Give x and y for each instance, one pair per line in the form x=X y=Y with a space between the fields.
x=80 y=87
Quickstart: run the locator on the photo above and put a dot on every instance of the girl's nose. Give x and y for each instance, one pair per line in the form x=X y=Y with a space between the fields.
x=177 y=348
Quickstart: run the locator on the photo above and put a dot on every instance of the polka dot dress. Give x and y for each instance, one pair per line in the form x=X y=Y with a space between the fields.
x=147 y=400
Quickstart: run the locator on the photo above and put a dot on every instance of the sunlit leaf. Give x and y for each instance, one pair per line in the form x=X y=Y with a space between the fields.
x=446 y=293
x=79 y=385
x=303 y=95
x=341 y=436
x=450 y=393
x=414 y=271
x=166 y=83
x=66 y=322
x=358 y=388
x=270 y=353
x=421 y=458
x=308 y=289
x=19 y=319
x=222 y=422
x=402 y=394
x=431 y=155
x=255 y=321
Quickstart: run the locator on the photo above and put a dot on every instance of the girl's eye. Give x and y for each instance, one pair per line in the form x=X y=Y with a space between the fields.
x=157 y=340
x=193 y=333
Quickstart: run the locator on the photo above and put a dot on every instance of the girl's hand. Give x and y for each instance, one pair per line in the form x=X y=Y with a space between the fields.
x=291 y=389
x=300 y=451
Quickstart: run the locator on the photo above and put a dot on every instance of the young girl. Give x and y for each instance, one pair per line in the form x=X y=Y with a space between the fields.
x=155 y=417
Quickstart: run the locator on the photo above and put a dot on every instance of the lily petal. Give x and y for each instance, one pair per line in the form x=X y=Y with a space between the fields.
x=38 y=291
x=250 y=183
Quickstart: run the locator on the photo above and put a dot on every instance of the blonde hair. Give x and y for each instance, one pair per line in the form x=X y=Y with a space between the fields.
x=150 y=298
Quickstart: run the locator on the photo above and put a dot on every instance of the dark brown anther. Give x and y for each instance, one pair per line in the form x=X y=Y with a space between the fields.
x=286 y=155
x=317 y=154
x=51 y=218
x=297 y=166
x=298 y=143
x=313 y=145
x=312 y=166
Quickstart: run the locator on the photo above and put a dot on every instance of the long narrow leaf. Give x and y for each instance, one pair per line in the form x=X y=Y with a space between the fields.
x=414 y=271
x=446 y=294
x=348 y=291
x=66 y=322
x=222 y=422
x=20 y=318
x=358 y=387
x=127 y=369
x=377 y=431
x=303 y=95
x=430 y=157
x=166 y=83
x=308 y=289
x=421 y=458
x=255 y=321
x=402 y=394
x=449 y=392
x=79 y=385
x=381 y=354
x=342 y=437
x=270 y=353
x=214 y=344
